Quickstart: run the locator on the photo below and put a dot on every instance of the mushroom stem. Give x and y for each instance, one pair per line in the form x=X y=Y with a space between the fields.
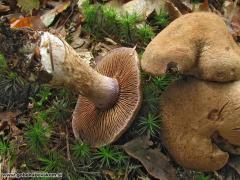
x=65 y=66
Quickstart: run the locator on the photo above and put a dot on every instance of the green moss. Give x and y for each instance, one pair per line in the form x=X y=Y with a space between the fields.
x=3 y=64
x=108 y=156
x=5 y=148
x=52 y=162
x=104 y=21
x=59 y=111
x=145 y=34
x=37 y=136
x=41 y=97
x=149 y=125
x=202 y=176
x=162 y=19
x=81 y=150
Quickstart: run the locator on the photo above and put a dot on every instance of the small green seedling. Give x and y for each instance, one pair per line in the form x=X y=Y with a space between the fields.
x=3 y=64
x=37 y=136
x=81 y=150
x=149 y=125
x=51 y=163
x=59 y=110
x=5 y=148
x=162 y=19
x=162 y=82
x=108 y=156
x=42 y=96
x=201 y=176
x=145 y=34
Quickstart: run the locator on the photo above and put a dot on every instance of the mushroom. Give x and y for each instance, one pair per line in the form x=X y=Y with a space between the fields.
x=110 y=96
x=196 y=44
x=193 y=112
x=99 y=126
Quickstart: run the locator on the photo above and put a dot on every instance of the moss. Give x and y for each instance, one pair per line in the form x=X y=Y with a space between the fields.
x=104 y=21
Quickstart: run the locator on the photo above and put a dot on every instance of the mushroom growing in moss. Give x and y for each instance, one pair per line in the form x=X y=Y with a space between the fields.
x=110 y=95
x=196 y=44
x=193 y=112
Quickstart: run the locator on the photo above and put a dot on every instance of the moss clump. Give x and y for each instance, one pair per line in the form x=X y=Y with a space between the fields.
x=103 y=21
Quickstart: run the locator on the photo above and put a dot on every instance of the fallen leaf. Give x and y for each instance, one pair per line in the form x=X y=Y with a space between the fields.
x=181 y=6
x=33 y=22
x=4 y=8
x=28 y=5
x=9 y=119
x=172 y=10
x=49 y=17
x=232 y=17
x=141 y=7
x=153 y=160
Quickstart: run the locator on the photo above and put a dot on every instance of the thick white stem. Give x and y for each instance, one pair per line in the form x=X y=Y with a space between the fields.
x=67 y=69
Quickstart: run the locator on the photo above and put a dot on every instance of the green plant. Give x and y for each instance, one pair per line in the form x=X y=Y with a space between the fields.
x=149 y=124
x=201 y=176
x=5 y=148
x=151 y=95
x=162 y=19
x=108 y=156
x=11 y=84
x=196 y=1
x=163 y=81
x=145 y=34
x=121 y=159
x=3 y=64
x=102 y=21
x=42 y=96
x=52 y=162
x=59 y=110
x=28 y=5
x=37 y=136
x=128 y=27
x=41 y=116
x=81 y=150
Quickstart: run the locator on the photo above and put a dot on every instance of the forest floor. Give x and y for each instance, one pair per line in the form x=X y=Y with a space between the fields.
x=35 y=119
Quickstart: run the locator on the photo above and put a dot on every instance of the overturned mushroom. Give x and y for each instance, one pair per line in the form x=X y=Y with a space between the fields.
x=111 y=93
x=98 y=126
x=197 y=44
x=193 y=112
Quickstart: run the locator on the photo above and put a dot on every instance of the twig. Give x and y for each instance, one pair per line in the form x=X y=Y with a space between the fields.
x=126 y=173
x=234 y=10
x=68 y=149
x=67 y=143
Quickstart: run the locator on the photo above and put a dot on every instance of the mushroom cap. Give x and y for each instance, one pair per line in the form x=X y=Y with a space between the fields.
x=100 y=127
x=196 y=44
x=193 y=111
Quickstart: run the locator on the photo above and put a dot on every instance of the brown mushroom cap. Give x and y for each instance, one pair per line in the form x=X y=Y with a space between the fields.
x=193 y=111
x=100 y=127
x=197 y=44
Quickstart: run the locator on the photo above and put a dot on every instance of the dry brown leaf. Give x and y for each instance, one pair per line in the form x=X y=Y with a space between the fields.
x=181 y=6
x=9 y=119
x=172 y=10
x=49 y=17
x=232 y=17
x=4 y=8
x=33 y=22
x=153 y=160
x=141 y=7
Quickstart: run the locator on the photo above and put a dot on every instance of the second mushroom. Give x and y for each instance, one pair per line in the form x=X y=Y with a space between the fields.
x=204 y=105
